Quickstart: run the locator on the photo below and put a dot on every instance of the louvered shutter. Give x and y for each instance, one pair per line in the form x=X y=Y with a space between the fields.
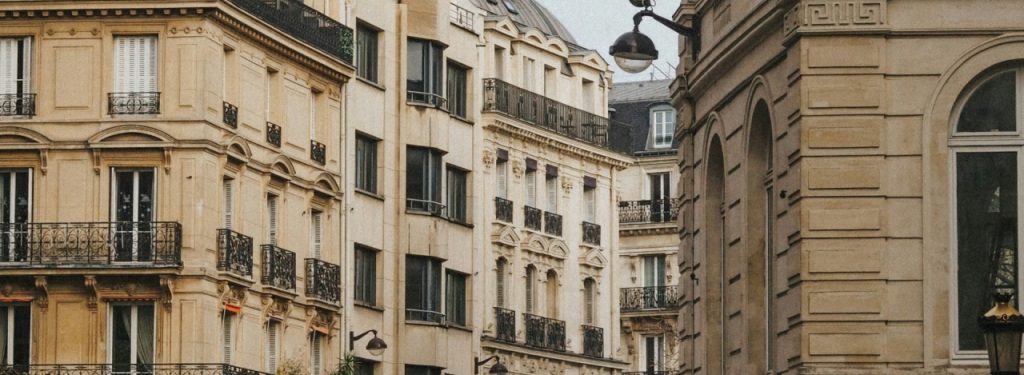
x=272 y=220
x=228 y=333
x=588 y=302
x=531 y=189
x=10 y=56
x=530 y=276
x=229 y=206
x=501 y=183
x=317 y=233
x=271 y=347
x=135 y=63
x=315 y=355
x=499 y=284
x=552 y=192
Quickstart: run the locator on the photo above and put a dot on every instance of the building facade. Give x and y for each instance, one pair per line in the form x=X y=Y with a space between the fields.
x=848 y=184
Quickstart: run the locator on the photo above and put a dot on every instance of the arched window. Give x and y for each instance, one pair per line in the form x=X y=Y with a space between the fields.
x=986 y=148
x=760 y=212
x=552 y=300
x=589 y=310
x=714 y=310
x=499 y=282
x=531 y=288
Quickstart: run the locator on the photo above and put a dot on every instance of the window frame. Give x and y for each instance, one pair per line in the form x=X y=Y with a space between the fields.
x=431 y=65
x=457 y=77
x=133 y=330
x=457 y=205
x=23 y=84
x=359 y=283
x=367 y=162
x=12 y=326
x=656 y=126
x=431 y=182
x=368 y=65
x=457 y=311
x=431 y=289
x=122 y=87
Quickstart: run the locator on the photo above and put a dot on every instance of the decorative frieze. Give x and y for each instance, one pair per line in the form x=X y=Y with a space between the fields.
x=830 y=15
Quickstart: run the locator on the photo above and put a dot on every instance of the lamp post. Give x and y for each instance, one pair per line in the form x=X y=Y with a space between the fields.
x=1002 y=327
x=633 y=51
x=376 y=345
x=497 y=369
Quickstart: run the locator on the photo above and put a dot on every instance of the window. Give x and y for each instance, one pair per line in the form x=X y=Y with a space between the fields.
x=661 y=197
x=528 y=75
x=501 y=175
x=316 y=229
x=499 y=282
x=366 y=52
x=531 y=288
x=366 y=163
x=15 y=334
x=132 y=337
x=423 y=289
x=272 y=346
x=457 y=194
x=316 y=361
x=133 y=204
x=228 y=186
x=552 y=294
x=421 y=370
x=589 y=296
x=456 y=298
x=589 y=204
x=423 y=180
x=269 y=91
x=272 y=219
x=227 y=328
x=15 y=212
x=424 y=78
x=314 y=98
x=16 y=76
x=551 y=189
x=663 y=123
x=366 y=275
x=457 y=89
x=135 y=64
x=654 y=282
x=531 y=187
x=365 y=367
x=499 y=62
x=654 y=352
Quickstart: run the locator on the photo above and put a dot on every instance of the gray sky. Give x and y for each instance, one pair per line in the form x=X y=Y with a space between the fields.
x=596 y=23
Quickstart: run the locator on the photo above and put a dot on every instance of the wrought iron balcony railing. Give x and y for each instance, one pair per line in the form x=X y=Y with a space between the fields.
x=591 y=234
x=538 y=110
x=427 y=98
x=552 y=223
x=137 y=369
x=648 y=211
x=101 y=244
x=424 y=316
x=234 y=252
x=649 y=298
x=323 y=280
x=503 y=209
x=593 y=341
x=544 y=332
x=133 y=103
x=532 y=217
x=273 y=134
x=303 y=23
x=278 y=267
x=318 y=152
x=425 y=206
x=461 y=17
x=230 y=115
x=17 y=104
x=505 y=325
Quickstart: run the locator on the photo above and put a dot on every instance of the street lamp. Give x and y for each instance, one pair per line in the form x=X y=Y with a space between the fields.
x=376 y=346
x=1002 y=327
x=497 y=369
x=633 y=51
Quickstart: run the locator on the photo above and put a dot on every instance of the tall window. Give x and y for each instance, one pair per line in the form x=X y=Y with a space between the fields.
x=663 y=124
x=272 y=347
x=316 y=231
x=133 y=205
x=366 y=275
x=135 y=62
x=228 y=187
x=528 y=75
x=589 y=298
x=661 y=197
x=499 y=62
x=654 y=281
x=552 y=294
x=457 y=89
x=366 y=52
x=531 y=289
x=423 y=289
x=268 y=89
x=15 y=212
x=551 y=188
x=501 y=174
x=15 y=334
x=530 y=187
x=316 y=360
x=314 y=99
x=272 y=219
x=15 y=75
x=366 y=163
x=423 y=180
x=589 y=203
x=654 y=353
x=499 y=282
x=228 y=330
x=132 y=337
x=425 y=69
x=455 y=298
x=457 y=194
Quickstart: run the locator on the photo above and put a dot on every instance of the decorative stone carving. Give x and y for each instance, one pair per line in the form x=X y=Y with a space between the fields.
x=517 y=169
x=567 y=185
x=44 y=294
x=167 y=289
x=94 y=295
x=844 y=13
x=488 y=159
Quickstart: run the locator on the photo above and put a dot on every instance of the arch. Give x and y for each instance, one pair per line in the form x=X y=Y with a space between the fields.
x=239 y=146
x=759 y=259
x=536 y=243
x=132 y=133
x=553 y=287
x=714 y=253
x=282 y=164
x=15 y=135
x=557 y=248
x=508 y=236
x=557 y=45
x=326 y=182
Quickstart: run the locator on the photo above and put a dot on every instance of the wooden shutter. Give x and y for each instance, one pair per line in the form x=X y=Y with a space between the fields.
x=501 y=179
x=271 y=347
x=499 y=284
x=531 y=189
x=229 y=205
x=135 y=63
x=228 y=335
x=588 y=302
x=317 y=220
x=15 y=52
x=272 y=219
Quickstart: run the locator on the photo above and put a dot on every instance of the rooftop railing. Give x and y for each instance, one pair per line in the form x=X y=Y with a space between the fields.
x=303 y=23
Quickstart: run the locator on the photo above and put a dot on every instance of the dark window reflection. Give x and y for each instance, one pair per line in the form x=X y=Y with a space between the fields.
x=992 y=107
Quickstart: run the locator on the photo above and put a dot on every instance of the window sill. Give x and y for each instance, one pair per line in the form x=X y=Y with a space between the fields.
x=368 y=306
x=462 y=119
x=369 y=194
x=413 y=211
x=426 y=323
x=371 y=83
x=460 y=223
x=426 y=105
x=460 y=327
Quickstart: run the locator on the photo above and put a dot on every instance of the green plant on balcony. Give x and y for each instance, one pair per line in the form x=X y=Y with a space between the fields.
x=292 y=366
x=347 y=365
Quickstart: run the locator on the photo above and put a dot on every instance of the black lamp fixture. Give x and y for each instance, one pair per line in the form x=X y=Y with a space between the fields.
x=497 y=369
x=634 y=52
x=1002 y=327
x=376 y=346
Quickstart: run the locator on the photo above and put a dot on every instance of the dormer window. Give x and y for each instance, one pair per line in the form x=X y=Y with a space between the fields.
x=511 y=7
x=663 y=124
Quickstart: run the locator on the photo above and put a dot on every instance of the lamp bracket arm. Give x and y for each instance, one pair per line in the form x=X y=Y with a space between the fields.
x=683 y=30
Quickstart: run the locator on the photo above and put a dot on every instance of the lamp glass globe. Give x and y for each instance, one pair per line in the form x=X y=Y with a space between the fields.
x=632 y=65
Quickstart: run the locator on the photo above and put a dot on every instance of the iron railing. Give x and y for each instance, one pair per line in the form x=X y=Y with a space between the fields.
x=649 y=372
x=230 y=115
x=593 y=341
x=503 y=209
x=591 y=234
x=649 y=298
x=544 y=332
x=278 y=267
x=273 y=134
x=427 y=98
x=505 y=325
x=426 y=206
x=134 y=369
x=303 y=23
x=538 y=110
x=133 y=103
x=531 y=217
x=91 y=244
x=323 y=280
x=461 y=17
x=648 y=211
x=552 y=223
x=234 y=252
x=17 y=104
x=318 y=152
x=424 y=316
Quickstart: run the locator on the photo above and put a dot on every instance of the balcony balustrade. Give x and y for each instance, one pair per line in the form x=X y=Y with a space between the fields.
x=552 y=223
x=274 y=134
x=648 y=298
x=318 y=152
x=323 y=280
x=424 y=316
x=593 y=341
x=544 y=333
x=505 y=325
x=230 y=115
x=503 y=209
x=540 y=111
x=303 y=23
x=425 y=206
x=278 y=268
x=648 y=211
x=532 y=217
x=98 y=244
x=133 y=103
x=591 y=234
x=139 y=369
x=17 y=104
x=426 y=98
x=234 y=253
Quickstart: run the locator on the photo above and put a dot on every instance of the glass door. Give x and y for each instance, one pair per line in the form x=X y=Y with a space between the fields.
x=133 y=215
x=132 y=338
x=654 y=281
x=653 y=353
x=15 y=336
x=661 y=197
x=15 y=210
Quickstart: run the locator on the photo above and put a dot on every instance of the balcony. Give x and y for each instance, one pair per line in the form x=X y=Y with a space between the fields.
x=230 y=115
x=461 y=17
x=273 y=134
x=426 y=98
x=648 y=211
x=649 y=298
x=133 y=103
x=303 y=23
x=100 y=244
x=552 y=223
x=542 y=112
x=593 y=341
x=544 y=333
x=323 y=280
x=428 y=207
x=503 y=209
x=531 y=218
x=430 y=316
x=505 y=325
x=278 y=268
x=115 y=369
x=318 y=152
x=591 y=234
x=234 y=253
x=17 y=104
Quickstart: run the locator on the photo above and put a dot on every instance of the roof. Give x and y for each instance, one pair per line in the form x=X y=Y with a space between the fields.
x=529 y=13
x=640 y=91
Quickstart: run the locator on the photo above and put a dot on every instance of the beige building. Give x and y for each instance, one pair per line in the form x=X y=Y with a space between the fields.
x=847 y=169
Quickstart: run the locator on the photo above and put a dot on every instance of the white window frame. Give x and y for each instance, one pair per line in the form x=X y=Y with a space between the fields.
x=10 y=332
x=316 y=231
x=135 y=198
x=25 y=81
x=662 y=122
x=126 y=83
x=11 y=194
x=134 y=330
x=228 y=190
x=273 y=212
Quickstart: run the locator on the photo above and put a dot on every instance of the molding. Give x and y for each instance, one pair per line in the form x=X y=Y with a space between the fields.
x=586 y=153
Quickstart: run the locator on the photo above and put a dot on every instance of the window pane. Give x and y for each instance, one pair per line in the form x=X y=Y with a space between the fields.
x=415 y=80
x=435 y=176
x=366 y=276
x=456 y=299
x=366 y=51
x=415 y=283
x=366 y=164
x=992 y=107
x=457 y=195
x=986 y=200
x=415 y=177
x=121 y=340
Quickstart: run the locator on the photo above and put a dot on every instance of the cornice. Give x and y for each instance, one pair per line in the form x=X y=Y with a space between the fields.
x=644 y=230
x=522 y=133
